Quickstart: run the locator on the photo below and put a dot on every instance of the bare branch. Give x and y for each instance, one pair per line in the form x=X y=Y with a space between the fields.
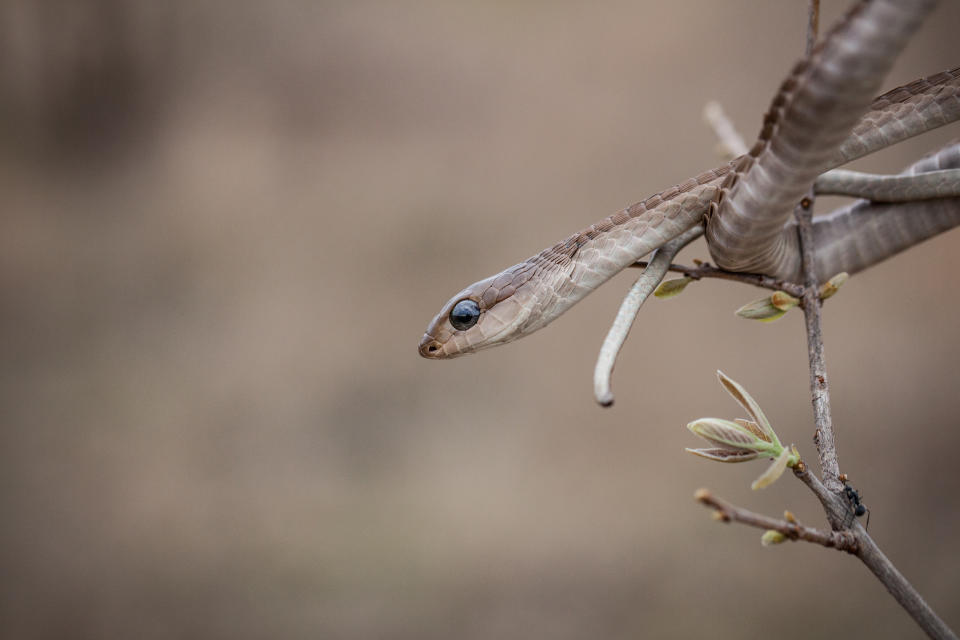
x=641 y=289
x=853 y=540
x=898 y=586
x=841 y=540
x=813 y=25
x=823 y=437
x=730 y=141
x=706 y=270
x=836 y=509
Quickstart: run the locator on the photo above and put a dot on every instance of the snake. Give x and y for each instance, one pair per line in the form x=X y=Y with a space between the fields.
x=821 y=118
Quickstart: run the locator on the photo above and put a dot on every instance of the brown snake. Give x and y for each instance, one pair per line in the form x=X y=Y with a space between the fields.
x=821 y=118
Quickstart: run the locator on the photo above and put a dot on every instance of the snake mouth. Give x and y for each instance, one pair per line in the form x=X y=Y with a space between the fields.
x=429 y=347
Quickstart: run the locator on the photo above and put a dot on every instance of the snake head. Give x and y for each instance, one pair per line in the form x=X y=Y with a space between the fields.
x=487 y=313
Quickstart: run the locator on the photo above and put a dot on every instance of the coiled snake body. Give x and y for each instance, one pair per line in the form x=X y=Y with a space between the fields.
x=820 y=119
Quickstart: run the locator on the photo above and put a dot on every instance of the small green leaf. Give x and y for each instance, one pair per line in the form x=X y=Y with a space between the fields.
x=794 y=459
x=832 y=285
x=671 y=288
x=783 y=300
x=752 y=426
x=774 y=471
x=761 y=309
x=721 y=454
x=730 y=435
x=771 y=537
x=745 y=400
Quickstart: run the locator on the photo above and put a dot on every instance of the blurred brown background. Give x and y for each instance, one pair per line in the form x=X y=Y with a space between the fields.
x=225 y=226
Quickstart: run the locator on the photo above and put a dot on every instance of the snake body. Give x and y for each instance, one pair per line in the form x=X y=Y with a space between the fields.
x=529 y=295
x=809 y=119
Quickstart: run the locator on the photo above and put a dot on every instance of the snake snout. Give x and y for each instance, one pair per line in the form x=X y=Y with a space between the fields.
x=429 y=347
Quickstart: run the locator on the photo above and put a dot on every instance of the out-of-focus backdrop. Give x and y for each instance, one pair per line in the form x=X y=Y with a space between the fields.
x=225 y=226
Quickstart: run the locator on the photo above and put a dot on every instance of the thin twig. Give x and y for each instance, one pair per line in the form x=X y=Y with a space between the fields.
x=829 y=495
x=898 y=586
x=842 y=540
x=813 y=25
x=839 y=514
x=852 y=539
x=819 y=389
x=641 y=289
x=707 y=270
x=730 y=141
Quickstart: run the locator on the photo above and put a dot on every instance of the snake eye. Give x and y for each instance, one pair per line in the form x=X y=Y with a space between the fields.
x=464 y=315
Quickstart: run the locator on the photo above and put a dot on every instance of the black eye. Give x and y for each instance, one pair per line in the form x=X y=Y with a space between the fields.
x=464 y=315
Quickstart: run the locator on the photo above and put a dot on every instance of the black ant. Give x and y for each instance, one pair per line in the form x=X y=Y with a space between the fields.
x=853 y=497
